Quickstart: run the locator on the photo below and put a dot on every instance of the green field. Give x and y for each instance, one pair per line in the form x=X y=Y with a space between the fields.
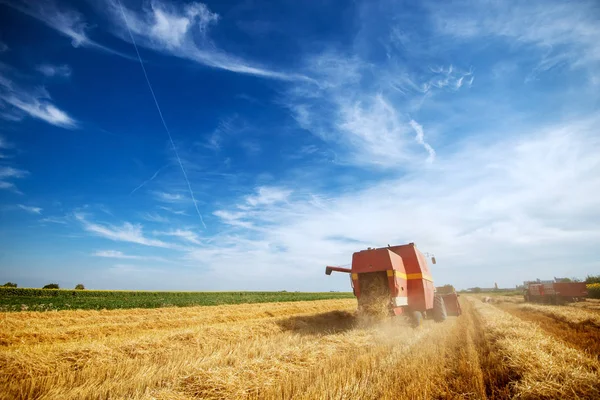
x=25 y=299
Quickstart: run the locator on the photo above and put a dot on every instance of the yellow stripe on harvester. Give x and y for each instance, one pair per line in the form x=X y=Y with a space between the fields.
x=354 y=276
x=398 y=274
x=419 y=276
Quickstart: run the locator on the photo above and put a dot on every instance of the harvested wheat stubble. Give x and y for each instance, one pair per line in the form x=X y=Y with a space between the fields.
x=571 y=325
x=237 y=352
x=565 y=313
x=67 y=326
x=548 y=369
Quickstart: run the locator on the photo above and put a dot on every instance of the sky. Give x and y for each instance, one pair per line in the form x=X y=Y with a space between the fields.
x=245 y=145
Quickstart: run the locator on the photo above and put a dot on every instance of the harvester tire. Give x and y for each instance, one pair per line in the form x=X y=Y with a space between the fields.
x=416 y=318
x=439 y=309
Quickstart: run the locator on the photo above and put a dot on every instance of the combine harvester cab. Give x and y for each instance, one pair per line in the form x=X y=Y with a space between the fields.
x=397 y=277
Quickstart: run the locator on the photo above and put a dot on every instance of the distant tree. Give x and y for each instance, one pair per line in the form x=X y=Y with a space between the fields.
x=589 y=279
x=562 y=280
x=476 y=290
x=9 y=284
x=51 y=286
x=80 y=286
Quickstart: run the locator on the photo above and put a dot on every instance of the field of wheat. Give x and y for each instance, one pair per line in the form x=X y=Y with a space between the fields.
x=300 y=350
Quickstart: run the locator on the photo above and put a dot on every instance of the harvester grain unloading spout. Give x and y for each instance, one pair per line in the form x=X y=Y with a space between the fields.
x=399 y=277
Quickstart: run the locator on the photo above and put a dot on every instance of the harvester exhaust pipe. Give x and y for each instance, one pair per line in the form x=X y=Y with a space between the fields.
x=329 y=269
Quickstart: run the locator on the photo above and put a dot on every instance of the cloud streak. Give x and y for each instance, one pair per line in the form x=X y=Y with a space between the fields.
x=120 y=255
x=34 y=102
x=182 y=31
x=8 y=173
x=30 y=209
x=132 y=233
x=49 y=70
x=67 y=22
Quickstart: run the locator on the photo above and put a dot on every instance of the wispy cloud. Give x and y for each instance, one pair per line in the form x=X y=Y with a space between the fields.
x=563 y=32
x=35 y=102
x=155 y=217
x=170 y=197
x=490 y=203
x=8 y=173
x=121 y=255
x=186 y=235
x=68 y=22
x=128 y=232
x=234 y=218
x=30 y=209
x=182 y=31
x=54 y=220
x=366 y=113
x=40 y=108
x=420 y=138
x=3 y=47
x=268 y=195
x=49 y=70
x=173 y=211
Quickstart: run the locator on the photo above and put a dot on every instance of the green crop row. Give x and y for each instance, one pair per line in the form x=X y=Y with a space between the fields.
x=22 y=299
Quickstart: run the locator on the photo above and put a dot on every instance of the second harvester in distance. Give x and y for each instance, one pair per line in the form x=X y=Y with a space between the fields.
x=397 y=280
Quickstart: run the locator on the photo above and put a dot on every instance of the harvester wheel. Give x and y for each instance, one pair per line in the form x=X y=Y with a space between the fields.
x=439 y=309
x=416 y=318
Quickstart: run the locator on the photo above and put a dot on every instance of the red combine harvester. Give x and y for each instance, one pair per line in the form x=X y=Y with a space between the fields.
x=553 y=292
x=407 y=282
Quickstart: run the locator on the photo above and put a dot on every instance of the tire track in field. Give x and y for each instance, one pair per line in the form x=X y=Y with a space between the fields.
x=584 y=336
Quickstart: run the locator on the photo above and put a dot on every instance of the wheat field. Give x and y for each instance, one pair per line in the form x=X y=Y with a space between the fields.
x=300 y=350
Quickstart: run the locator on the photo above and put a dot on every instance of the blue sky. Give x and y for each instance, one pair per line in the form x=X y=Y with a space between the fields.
x=301 y=132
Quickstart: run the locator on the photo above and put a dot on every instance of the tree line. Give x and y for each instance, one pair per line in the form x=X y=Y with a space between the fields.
x=79 y=286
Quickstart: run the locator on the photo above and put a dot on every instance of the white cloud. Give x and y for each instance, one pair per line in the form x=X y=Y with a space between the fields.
x=121 y=255
x=173 y=211
x=186 y=235
x=7 y=172
x=63 y=71
x=155 y=217
x=10 y=172
x=128 y=232
x=170 y=197
x=365 y=111
x=234 y=218
x=491 y=206
x=181 y=31
x=54 y=220
x=420 y=138
x=3 y=47
x=67 y=22
x=34 y=102
x=563 y=31
x=9 y=186
x=41 y=109
x=29 y=209
x=268 y=195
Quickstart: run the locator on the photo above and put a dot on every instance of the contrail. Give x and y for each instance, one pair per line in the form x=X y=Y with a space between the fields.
x=148 y=180
x=161 y=115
